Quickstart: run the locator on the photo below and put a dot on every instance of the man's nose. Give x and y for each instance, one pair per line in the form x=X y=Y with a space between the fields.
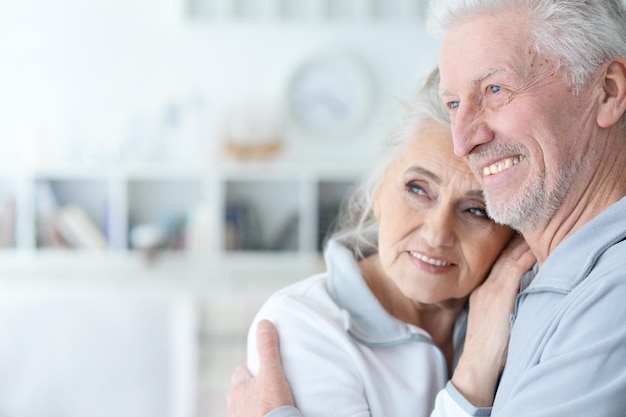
x=469 y=129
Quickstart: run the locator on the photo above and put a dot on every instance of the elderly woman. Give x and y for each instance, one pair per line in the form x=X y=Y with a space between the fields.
x=380 y=332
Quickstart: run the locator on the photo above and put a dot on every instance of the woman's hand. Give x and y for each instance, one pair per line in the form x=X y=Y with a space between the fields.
x=488 y=328
x=255 y=397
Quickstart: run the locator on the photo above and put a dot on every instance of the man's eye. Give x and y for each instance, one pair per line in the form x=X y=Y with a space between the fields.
x=453 y=105
x=494 y=89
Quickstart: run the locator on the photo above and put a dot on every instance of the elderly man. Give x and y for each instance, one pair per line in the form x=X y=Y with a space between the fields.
x=536 y=91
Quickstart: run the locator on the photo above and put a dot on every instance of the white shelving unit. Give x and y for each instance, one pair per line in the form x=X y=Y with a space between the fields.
x=228 y=217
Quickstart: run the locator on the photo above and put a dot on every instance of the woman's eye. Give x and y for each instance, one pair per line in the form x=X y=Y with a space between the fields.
x=478 y=212
x=415 y=189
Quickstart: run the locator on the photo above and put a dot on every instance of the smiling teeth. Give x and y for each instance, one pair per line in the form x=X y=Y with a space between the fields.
x=430 y=261
x=501 y=166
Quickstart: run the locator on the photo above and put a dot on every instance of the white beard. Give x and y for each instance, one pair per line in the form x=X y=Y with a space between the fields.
x=533 y=206
x=528 y=209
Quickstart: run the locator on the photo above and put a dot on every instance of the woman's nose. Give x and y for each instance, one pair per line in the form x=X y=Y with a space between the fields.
x=438 y=228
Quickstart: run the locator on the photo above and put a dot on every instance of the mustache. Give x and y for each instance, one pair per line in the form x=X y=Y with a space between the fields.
x=494 y=150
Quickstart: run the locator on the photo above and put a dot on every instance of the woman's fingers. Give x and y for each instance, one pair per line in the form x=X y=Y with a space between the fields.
x=255 y=397
x=491 y=305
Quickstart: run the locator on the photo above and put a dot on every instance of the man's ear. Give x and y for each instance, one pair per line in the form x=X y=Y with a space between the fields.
x=613 y=101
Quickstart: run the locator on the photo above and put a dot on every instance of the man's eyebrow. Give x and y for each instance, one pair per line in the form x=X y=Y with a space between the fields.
x=444 y=92
x=485 y=74
x=474 y=81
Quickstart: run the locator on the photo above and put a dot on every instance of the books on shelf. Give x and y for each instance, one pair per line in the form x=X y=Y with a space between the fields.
x=198 y=227
x=78 y=229
x=65 y=226
x=7 y=223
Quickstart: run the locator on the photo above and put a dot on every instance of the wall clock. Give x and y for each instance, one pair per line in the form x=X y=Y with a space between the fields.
x=331 y=94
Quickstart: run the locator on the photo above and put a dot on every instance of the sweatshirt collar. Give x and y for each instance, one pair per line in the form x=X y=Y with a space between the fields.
x=365 y=319
x=581 y=251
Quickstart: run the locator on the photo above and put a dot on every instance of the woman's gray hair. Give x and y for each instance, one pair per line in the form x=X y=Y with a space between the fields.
x=356 y=223
x=578 y=35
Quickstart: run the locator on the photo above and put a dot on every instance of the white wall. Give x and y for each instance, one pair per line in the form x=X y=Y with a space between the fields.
x=80 y=78
x=77 y=76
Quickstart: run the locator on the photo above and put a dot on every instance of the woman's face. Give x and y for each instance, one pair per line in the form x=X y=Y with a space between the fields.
x=436 y=242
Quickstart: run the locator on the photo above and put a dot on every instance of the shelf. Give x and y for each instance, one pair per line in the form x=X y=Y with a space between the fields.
x=164 y=222
x=331 y=195
x=237 y=221
x=72 y=213
x=262 y=215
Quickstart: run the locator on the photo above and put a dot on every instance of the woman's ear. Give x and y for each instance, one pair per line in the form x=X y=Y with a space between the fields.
x=613 y=102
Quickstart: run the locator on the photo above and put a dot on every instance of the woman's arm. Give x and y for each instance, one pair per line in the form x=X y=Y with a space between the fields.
x=318 y=358
x=475 y=377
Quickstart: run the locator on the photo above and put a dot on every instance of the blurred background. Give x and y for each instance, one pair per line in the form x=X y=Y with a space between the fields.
x=165 y=165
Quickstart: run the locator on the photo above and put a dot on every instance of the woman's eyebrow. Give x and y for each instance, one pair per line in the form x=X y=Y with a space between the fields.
x=415 y=169
x=423 y=171
x=475 y=193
